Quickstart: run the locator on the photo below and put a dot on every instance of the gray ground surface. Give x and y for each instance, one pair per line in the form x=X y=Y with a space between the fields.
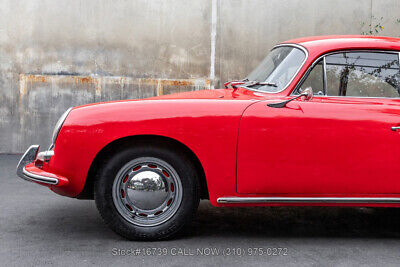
x=38 y=227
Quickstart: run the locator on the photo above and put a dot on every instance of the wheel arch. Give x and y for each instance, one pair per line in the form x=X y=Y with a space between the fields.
x=107 y=151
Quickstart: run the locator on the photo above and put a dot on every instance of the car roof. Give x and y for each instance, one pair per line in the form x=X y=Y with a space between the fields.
x=323 y=44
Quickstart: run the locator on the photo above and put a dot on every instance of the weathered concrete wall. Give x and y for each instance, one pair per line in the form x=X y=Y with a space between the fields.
x=249 y=29
x=137 y=39
x=56 y=54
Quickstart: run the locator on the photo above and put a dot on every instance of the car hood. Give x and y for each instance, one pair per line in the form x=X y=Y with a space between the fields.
x=216 y=102
x=194 y=103
x=214 y=94
x=210 y=94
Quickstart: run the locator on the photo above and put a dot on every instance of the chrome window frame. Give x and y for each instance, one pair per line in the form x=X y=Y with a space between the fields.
x=325 y=78
x=302 y=48
x=307 y=72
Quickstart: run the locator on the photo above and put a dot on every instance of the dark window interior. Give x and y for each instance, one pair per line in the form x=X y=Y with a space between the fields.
x=363 y=74
x=315 y=80
x=358 y=74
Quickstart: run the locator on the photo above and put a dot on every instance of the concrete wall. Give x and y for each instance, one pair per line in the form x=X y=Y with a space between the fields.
x=56 y=54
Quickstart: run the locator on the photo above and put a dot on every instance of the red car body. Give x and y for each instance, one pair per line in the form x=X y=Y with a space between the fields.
x=315 y=152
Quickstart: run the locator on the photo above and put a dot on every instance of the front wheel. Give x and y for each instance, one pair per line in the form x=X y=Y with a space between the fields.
x=147 y=193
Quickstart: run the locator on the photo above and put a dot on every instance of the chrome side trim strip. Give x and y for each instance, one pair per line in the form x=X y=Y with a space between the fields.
x=39 y=178
x=256 y=200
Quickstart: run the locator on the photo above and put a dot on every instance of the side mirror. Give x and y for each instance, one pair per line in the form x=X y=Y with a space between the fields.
x=307 y=94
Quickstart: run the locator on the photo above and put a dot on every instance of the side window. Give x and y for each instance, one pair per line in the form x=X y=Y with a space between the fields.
x=363 y=74
x=315 y=80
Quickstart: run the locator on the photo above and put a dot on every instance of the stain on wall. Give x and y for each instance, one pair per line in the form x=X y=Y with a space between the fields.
x=61 y=91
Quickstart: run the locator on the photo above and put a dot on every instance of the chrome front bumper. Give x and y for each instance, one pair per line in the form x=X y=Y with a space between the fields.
x=29 y=157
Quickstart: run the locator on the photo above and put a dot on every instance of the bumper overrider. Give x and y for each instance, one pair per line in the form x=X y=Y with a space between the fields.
x=29 y=168
x=33 y=166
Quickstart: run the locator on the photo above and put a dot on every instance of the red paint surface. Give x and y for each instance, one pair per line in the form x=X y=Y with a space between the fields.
x=324 y=147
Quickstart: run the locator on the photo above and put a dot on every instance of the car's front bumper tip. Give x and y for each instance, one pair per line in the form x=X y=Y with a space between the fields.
x=27 y=170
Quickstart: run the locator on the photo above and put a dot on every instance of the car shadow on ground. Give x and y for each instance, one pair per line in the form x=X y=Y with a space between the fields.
x=82 y=220
x=298 y=221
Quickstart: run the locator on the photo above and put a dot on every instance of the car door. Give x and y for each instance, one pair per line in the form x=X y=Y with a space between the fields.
x=340 y=142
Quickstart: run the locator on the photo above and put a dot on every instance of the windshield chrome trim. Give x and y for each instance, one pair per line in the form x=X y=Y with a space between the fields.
x=302 y=48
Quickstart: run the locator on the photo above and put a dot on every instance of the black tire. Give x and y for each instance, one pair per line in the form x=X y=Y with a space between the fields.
x=183 y=215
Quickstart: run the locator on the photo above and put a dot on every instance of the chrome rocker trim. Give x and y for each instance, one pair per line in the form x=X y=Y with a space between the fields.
x=255 y=200
x=29 y=157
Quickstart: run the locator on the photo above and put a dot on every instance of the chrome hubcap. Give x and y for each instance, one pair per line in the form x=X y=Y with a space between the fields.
x=147 y=191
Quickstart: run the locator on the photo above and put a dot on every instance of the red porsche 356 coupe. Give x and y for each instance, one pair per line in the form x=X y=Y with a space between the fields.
x=316 y=123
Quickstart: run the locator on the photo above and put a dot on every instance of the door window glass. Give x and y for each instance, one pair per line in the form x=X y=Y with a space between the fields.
x=363 y=74
x=315 y=80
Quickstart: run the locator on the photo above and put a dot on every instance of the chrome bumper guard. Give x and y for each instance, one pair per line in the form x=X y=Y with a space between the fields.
x=30 y=156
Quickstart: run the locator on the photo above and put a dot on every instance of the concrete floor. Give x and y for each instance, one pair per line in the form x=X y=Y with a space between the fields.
x=38 y=227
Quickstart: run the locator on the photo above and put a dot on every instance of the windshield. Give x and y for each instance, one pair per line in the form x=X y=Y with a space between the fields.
x=277 y=69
